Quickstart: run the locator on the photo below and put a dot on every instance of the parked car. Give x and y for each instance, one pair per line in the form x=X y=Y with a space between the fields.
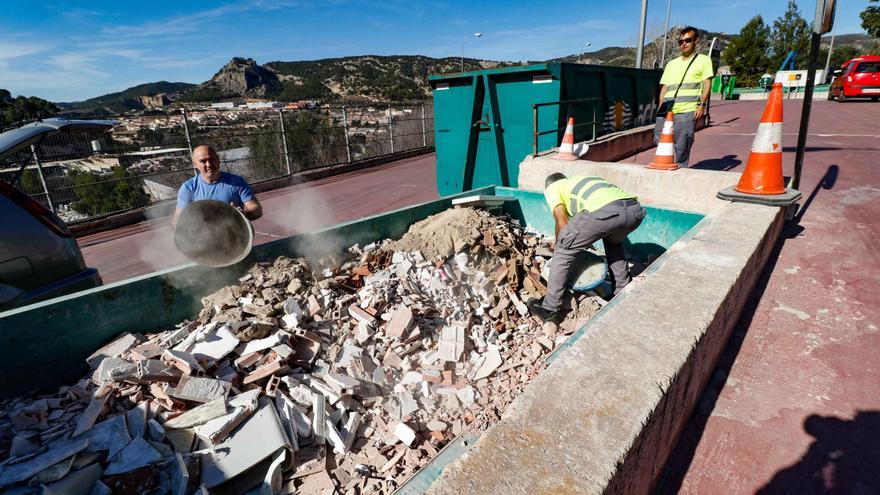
x=857 y=78
x=39 y=257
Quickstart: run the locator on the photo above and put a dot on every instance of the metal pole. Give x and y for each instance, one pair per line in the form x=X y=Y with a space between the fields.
x=391 y=128
x=665 y=33
x=424 y=129
x=828 y=59
x=284 y=140
x=188 y=140
x=709 y=101
x=641 y=45
x=345 y=130
x=42 y=178
x=534 y=130
x=805 y=113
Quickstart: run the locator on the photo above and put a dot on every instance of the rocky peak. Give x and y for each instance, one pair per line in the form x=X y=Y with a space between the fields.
x=244 y=77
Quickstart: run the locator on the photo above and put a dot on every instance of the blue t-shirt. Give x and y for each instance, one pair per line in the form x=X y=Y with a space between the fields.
x=229 y=189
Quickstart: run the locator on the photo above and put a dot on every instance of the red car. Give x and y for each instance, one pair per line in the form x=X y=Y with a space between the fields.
x=857 y=78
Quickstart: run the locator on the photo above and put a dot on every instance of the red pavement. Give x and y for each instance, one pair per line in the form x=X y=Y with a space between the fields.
x=149 y=246
x=795 y=404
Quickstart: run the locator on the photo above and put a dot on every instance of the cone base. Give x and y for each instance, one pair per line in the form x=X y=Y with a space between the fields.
x=787 y=198
x=662 y=166
x=756 y=192
x=565 y=156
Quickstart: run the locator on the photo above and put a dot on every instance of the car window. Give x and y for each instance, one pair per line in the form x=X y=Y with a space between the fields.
x=867 y=67
x=848 y=68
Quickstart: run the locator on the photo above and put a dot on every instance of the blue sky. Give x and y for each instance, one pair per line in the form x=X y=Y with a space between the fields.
x=72 y=50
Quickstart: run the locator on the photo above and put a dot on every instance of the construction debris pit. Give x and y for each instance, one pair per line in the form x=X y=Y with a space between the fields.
x=341 y=374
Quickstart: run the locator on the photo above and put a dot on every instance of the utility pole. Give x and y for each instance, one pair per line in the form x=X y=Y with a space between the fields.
x=665 y=33
x=642 y=22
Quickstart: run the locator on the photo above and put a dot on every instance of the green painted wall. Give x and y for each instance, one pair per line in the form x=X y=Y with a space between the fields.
x=659 y=230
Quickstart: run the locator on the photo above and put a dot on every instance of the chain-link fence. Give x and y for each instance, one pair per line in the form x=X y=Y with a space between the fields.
x=146 y=158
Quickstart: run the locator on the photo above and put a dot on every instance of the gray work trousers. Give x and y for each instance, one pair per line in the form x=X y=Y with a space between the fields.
x=682 y=134
x=611 y=223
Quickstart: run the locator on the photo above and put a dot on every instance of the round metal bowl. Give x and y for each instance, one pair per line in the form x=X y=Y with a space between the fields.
x=213 y=233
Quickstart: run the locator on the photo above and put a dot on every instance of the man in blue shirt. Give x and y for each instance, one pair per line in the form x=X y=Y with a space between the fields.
x=212 y=183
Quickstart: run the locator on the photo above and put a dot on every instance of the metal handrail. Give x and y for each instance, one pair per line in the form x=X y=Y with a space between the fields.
x=536 y=133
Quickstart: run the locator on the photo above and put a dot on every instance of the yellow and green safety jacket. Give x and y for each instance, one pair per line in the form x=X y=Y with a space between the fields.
x=692 y=86
x=579 y=194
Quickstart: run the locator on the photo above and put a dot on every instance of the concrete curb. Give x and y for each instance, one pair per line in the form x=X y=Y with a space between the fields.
x=605 y=415
x=619 y=145
x=166 y=208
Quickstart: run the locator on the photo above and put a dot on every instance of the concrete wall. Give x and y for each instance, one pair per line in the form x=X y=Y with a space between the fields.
x=605 y=415
x=682 y=189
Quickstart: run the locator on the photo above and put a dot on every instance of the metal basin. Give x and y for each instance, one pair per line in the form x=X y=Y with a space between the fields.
x=213 y=233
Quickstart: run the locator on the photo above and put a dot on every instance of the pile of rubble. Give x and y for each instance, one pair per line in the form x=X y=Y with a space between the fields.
x=346 y=376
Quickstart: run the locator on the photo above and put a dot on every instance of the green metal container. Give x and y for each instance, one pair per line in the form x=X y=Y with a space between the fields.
x=44 y=345
x=484 y=120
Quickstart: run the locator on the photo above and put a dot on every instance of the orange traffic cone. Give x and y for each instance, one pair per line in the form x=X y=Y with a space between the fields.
x=763 y=173
x=566 y=148
x=664 y=159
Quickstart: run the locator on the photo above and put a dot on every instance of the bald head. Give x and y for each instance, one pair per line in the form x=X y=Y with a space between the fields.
x=207 y=161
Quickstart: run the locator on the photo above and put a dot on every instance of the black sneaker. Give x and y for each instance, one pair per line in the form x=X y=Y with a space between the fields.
x=542 y=313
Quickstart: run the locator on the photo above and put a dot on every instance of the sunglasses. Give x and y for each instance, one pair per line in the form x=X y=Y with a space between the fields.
x=685 y=40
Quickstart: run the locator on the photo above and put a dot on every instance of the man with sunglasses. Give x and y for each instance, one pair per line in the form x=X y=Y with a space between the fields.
x=686 y=84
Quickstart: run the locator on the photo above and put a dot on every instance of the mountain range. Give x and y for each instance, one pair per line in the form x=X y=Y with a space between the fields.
x=365 y=77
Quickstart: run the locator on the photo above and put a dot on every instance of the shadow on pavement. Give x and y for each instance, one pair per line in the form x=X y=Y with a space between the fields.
x=724 y=163
x=682 y=456
x=844 y=458
x=826 y=182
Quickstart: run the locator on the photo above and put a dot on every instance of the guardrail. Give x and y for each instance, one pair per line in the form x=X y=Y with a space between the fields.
x=146 y=157
x=536 y=133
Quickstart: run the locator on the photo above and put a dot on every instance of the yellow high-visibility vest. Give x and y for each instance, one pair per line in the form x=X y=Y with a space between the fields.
x=579 y=194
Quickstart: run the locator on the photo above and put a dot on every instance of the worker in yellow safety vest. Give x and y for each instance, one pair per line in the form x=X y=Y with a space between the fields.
x=684 y=90
x=586 y=209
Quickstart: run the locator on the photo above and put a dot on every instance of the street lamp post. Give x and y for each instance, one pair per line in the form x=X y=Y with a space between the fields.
x=640 y=48
x=828 y=59
x=665 y=33
x=475 y=35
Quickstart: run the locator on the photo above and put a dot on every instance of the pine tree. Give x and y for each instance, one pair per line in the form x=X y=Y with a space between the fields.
x=746 y=54
x=871 y=19
x=790 y=32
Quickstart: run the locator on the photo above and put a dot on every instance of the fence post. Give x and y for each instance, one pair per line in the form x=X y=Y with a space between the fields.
x=424 y=131
x=42 y=178
x=345 y=132
x=391 y=128
x=284 y=140
x=188 y=140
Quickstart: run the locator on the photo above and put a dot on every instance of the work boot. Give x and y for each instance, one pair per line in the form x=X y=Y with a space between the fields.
x=543 y=313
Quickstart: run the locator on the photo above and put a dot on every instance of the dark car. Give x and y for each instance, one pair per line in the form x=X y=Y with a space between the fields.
x=39 y=257
x=857 y=78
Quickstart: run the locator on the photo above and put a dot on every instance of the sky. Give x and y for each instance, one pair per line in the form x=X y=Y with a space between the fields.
x=74 y=50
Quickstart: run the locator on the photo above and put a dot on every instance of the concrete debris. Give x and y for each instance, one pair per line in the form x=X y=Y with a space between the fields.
x=353 y=371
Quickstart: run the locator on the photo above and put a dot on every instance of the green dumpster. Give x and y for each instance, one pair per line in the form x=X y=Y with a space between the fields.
x=484 y=120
